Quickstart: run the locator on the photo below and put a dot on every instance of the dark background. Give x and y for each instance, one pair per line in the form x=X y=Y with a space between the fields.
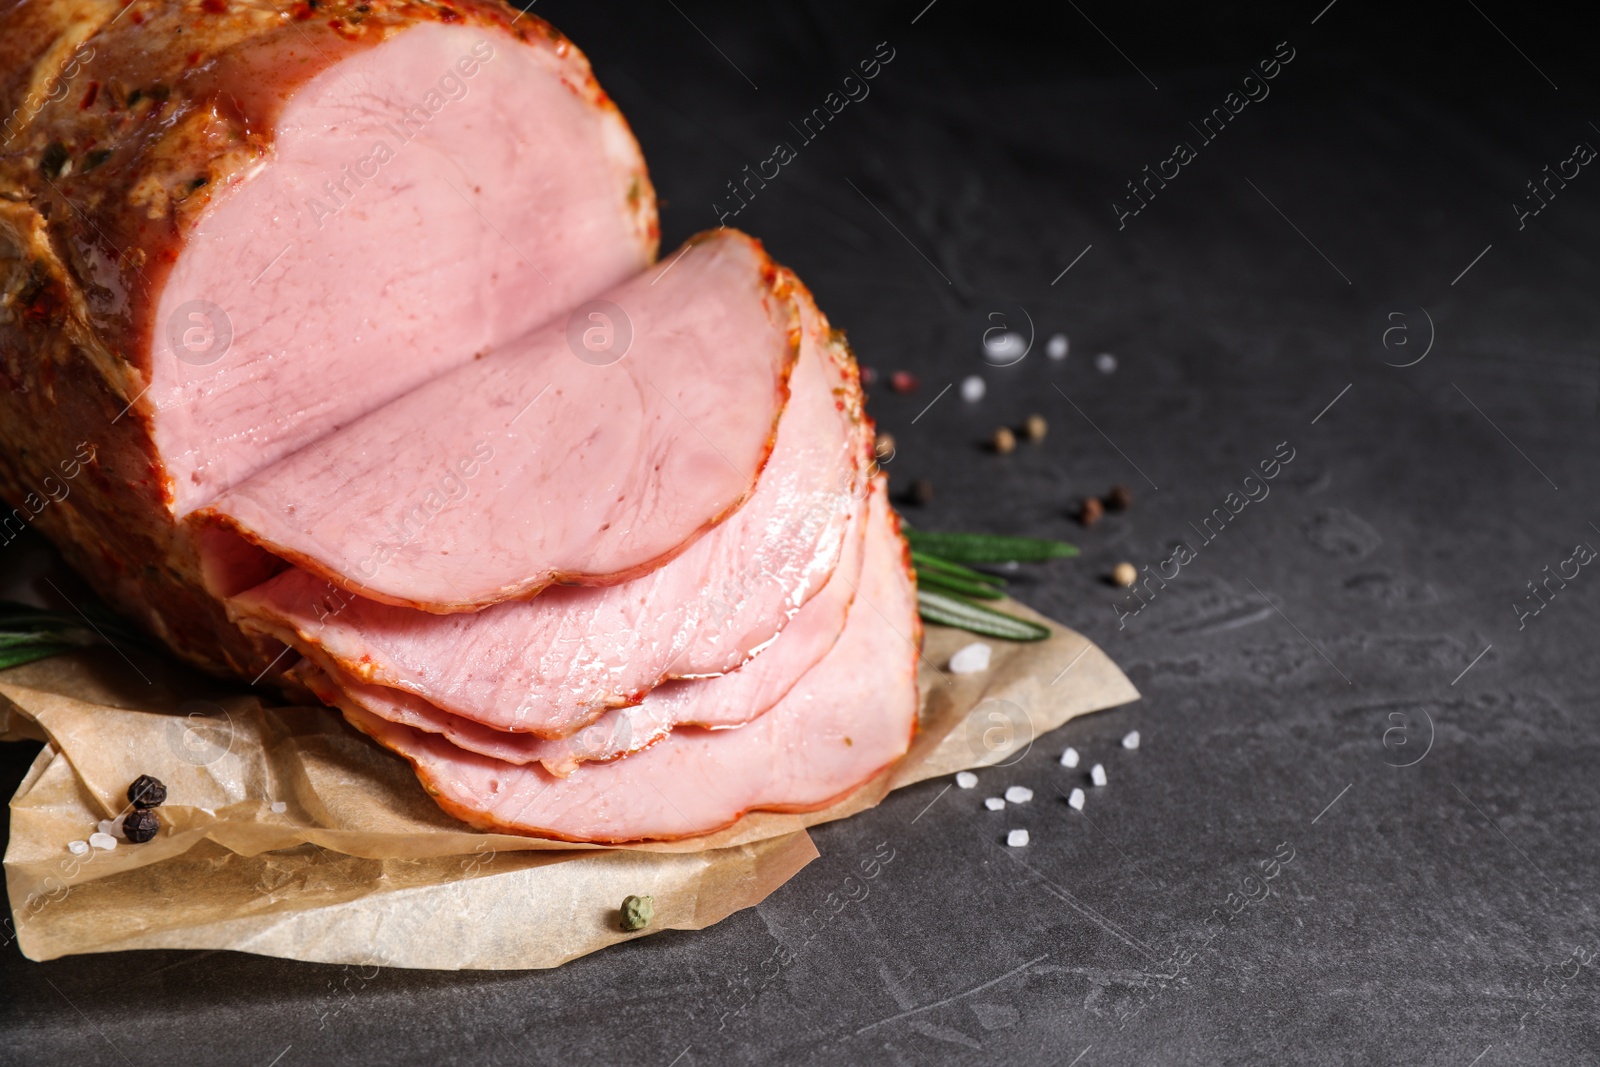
x=1432 y=912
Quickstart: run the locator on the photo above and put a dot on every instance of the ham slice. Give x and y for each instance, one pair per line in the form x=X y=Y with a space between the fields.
x=729 y=700
x=545 y=462
x=552 y=665
x=851 y=716
x=230 y=229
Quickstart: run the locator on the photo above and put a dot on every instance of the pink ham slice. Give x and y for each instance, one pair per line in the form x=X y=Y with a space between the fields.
x=552 y=665
x=732 y=699
x=850 y=717
x=563 y=457
x=427 y=199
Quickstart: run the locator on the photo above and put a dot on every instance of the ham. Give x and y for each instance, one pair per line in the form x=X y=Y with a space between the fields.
x=550 y=666
x=333 y=327
x=728 y=700
x=232 y=228
x=848 y=718
x=538 y=464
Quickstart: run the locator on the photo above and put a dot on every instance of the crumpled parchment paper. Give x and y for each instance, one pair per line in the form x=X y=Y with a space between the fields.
x=287 y=833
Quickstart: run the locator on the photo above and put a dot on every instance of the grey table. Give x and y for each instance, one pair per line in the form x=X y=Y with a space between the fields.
x=1346 y=687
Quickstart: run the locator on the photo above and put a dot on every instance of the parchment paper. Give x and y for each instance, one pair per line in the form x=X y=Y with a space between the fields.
x=360 y=867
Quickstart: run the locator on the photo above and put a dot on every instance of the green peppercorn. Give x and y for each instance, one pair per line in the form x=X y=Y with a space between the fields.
x=637 y=912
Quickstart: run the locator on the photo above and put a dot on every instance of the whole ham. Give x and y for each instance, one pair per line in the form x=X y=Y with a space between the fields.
x=334 y=349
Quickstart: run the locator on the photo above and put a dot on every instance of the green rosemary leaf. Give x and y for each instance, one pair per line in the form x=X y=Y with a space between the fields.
x=987 y=548
x=948 y=610
x=933 y=563
x=947 y=583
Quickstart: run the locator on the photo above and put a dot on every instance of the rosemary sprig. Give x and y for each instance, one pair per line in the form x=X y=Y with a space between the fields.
x=987 y=548
x=949 y=583
x=963 y=614
x=28 y=633
x=954 y=570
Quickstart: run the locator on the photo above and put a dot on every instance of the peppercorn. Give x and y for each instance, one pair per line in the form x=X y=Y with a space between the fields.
x=140 y=825
x=903 y=381
x=637 y=912
x=1034 y=428
x=883 y=448
x=1090 y=510
x=1120 y=498
x=147 y=792
x=921 y=492
x=1124 y=575
x=1003 y=441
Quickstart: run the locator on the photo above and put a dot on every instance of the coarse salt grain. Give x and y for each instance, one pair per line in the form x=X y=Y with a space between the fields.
x=966 y=779
x=1075 y=801
x=1097 y=774
x=1069 y=758
x=1131 y=741
x=1057 y=347
x=104 y=841
x=279 y=807
x=1005 y=347
x=1105 y=363
x=1019 y=794
x=971 y=660
x=972 y=388
x=994 y=803
x=1017 y=838
x=77 y=848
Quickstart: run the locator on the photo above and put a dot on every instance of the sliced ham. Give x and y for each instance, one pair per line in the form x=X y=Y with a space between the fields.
x=545 y=462
x=728 y=700
x=231 y=228
x=851 y=716
x=550 y=666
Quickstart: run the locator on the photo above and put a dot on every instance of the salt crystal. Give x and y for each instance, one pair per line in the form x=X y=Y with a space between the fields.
x=77 y=848
x=1069 y=758
x=972 y=389
x=1097 y=774
x=1076 y=800
x=1105 y=363
x=966 y=779
x=279 y=807
x=1057 y=347
x=971 y=659
x=1131 y=741
x=104 y=841
x=1005 y=348
x=1019 y=794
x=1017 y=838
x=994 y=803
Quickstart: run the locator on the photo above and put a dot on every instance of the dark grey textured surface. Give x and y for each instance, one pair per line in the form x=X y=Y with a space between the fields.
x=1430 y=913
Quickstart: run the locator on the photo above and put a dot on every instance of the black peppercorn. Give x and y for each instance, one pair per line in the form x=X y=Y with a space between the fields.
x=1119 y=499
x=921 y=491
x=140 y=825
x=147 y=792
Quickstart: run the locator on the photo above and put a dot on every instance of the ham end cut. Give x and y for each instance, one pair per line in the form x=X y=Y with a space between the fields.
x=847 y=719
x=552 y=665
x=231 y=229
x=545 y=461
